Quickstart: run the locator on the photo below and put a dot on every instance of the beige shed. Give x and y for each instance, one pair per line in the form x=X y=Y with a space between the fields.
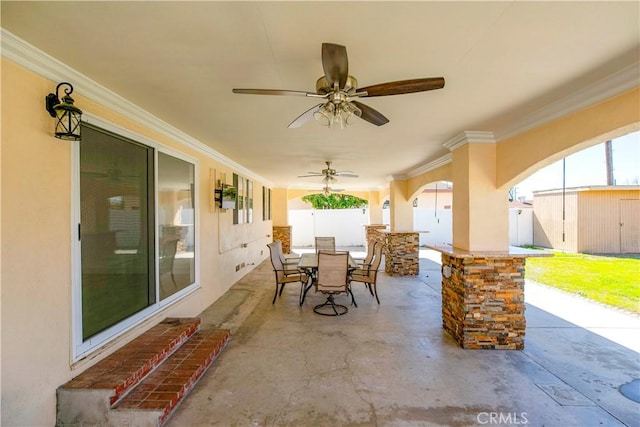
x=594 y=219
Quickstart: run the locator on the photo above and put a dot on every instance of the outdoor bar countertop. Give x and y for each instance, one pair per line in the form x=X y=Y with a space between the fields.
x=402 y=231
x=513 y=252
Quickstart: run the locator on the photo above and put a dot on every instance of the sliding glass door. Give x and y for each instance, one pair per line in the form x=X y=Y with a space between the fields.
x=116 y=229
x=137 y=233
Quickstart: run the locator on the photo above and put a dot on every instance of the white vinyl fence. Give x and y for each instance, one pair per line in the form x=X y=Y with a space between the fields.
x=520 y=226
x=435 y=227
x=346 y=225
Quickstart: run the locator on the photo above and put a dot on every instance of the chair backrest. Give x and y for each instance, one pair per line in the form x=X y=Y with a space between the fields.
x=369 y=273
x=327 y=244
x=276 y=262
x=371 y=247
x=278 y=245
x=377 y=256
x=333 y=270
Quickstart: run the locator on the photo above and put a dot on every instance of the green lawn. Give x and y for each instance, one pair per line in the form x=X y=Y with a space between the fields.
x=609 y=280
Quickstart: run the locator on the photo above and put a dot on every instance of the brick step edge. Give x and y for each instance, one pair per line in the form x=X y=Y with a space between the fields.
x=126 y=367
x=162 y=390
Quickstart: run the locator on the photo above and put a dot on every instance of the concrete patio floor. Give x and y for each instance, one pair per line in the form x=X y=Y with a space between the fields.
x=393 y=365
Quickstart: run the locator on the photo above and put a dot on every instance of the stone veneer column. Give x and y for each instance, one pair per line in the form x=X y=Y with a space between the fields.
x=483 y=301
x=283 y=233
x=402 y=253
x=373 y=232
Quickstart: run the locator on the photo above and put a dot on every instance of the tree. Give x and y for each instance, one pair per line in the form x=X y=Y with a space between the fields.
x=334 y=201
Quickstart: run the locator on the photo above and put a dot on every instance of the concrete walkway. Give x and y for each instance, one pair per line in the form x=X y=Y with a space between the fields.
x=393 y=365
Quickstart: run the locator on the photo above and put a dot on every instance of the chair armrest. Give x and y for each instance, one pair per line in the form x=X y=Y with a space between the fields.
x=288 y=271
x=364 y=267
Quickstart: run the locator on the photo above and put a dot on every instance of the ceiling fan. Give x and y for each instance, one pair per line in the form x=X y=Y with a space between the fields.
x=328 y=190
x=339 y=90
x=329 y=174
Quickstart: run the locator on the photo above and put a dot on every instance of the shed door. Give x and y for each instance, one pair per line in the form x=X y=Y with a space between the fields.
x=630 y=226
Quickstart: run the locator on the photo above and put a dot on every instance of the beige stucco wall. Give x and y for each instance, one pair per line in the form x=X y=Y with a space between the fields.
x=400 y=206
x=279 y=207
x=481 y=180
x=416 y=184
x=522 y=155
x=480 y=210
x=36 y=252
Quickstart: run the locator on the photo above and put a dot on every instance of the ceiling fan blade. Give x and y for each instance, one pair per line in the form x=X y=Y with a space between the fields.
x=403 y=86
x=314 y=175
x=371 y=115
x=348 y=175
x=277 y=92
x=305 y=117
x=335 y=64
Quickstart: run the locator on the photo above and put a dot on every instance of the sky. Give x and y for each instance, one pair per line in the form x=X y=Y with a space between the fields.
x=588 y=167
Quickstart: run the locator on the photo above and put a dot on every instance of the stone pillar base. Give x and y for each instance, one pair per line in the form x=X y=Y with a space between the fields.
x=402 y=253
x=483 y=301
x=283 y=233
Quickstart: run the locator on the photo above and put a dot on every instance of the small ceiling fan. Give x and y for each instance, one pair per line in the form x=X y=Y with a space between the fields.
x=329 y=174
x=328 y=190
x=339 y=90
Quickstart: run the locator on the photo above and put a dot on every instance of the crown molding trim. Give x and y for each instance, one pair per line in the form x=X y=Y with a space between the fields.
x=608 y=87
x=469 y=136
x=426 y=167
x=39 y=62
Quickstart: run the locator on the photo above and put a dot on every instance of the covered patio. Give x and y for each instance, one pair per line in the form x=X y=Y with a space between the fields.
x=162 y=207
x=393 y=364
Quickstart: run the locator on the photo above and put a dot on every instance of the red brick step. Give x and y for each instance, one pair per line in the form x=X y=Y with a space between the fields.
x=150 y=375
x=161 y=392
x=127 y=366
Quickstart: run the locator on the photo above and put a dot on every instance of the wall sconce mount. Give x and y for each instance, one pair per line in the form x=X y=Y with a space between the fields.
x=66 y=114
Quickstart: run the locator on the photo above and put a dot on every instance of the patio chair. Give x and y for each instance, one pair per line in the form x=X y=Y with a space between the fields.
x=327 y=244
x=286 y=260
x=333 y=278
x=371 y=247
x=284 y=274
x=368 y=274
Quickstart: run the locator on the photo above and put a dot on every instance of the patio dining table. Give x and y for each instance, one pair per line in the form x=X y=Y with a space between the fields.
x=309 y=264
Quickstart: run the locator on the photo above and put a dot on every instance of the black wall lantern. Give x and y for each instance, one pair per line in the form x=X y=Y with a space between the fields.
x=66 y=114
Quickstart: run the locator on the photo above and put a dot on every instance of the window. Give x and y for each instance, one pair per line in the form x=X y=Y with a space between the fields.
x=243 y=213
x=266 y=204
x=136 y=233
x=238 y=212
x=176 y=220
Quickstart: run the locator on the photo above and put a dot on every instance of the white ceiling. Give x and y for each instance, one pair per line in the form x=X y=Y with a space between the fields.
x=503 y=62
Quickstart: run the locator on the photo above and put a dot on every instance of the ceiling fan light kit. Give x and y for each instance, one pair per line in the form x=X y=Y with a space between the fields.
x=341 y=89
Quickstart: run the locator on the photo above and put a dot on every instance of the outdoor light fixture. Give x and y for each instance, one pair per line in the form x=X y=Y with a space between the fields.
x=66 y=114
x=338 y=110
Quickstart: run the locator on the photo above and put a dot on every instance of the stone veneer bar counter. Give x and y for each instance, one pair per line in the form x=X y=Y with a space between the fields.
x=483 y=296
x=401 y=252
